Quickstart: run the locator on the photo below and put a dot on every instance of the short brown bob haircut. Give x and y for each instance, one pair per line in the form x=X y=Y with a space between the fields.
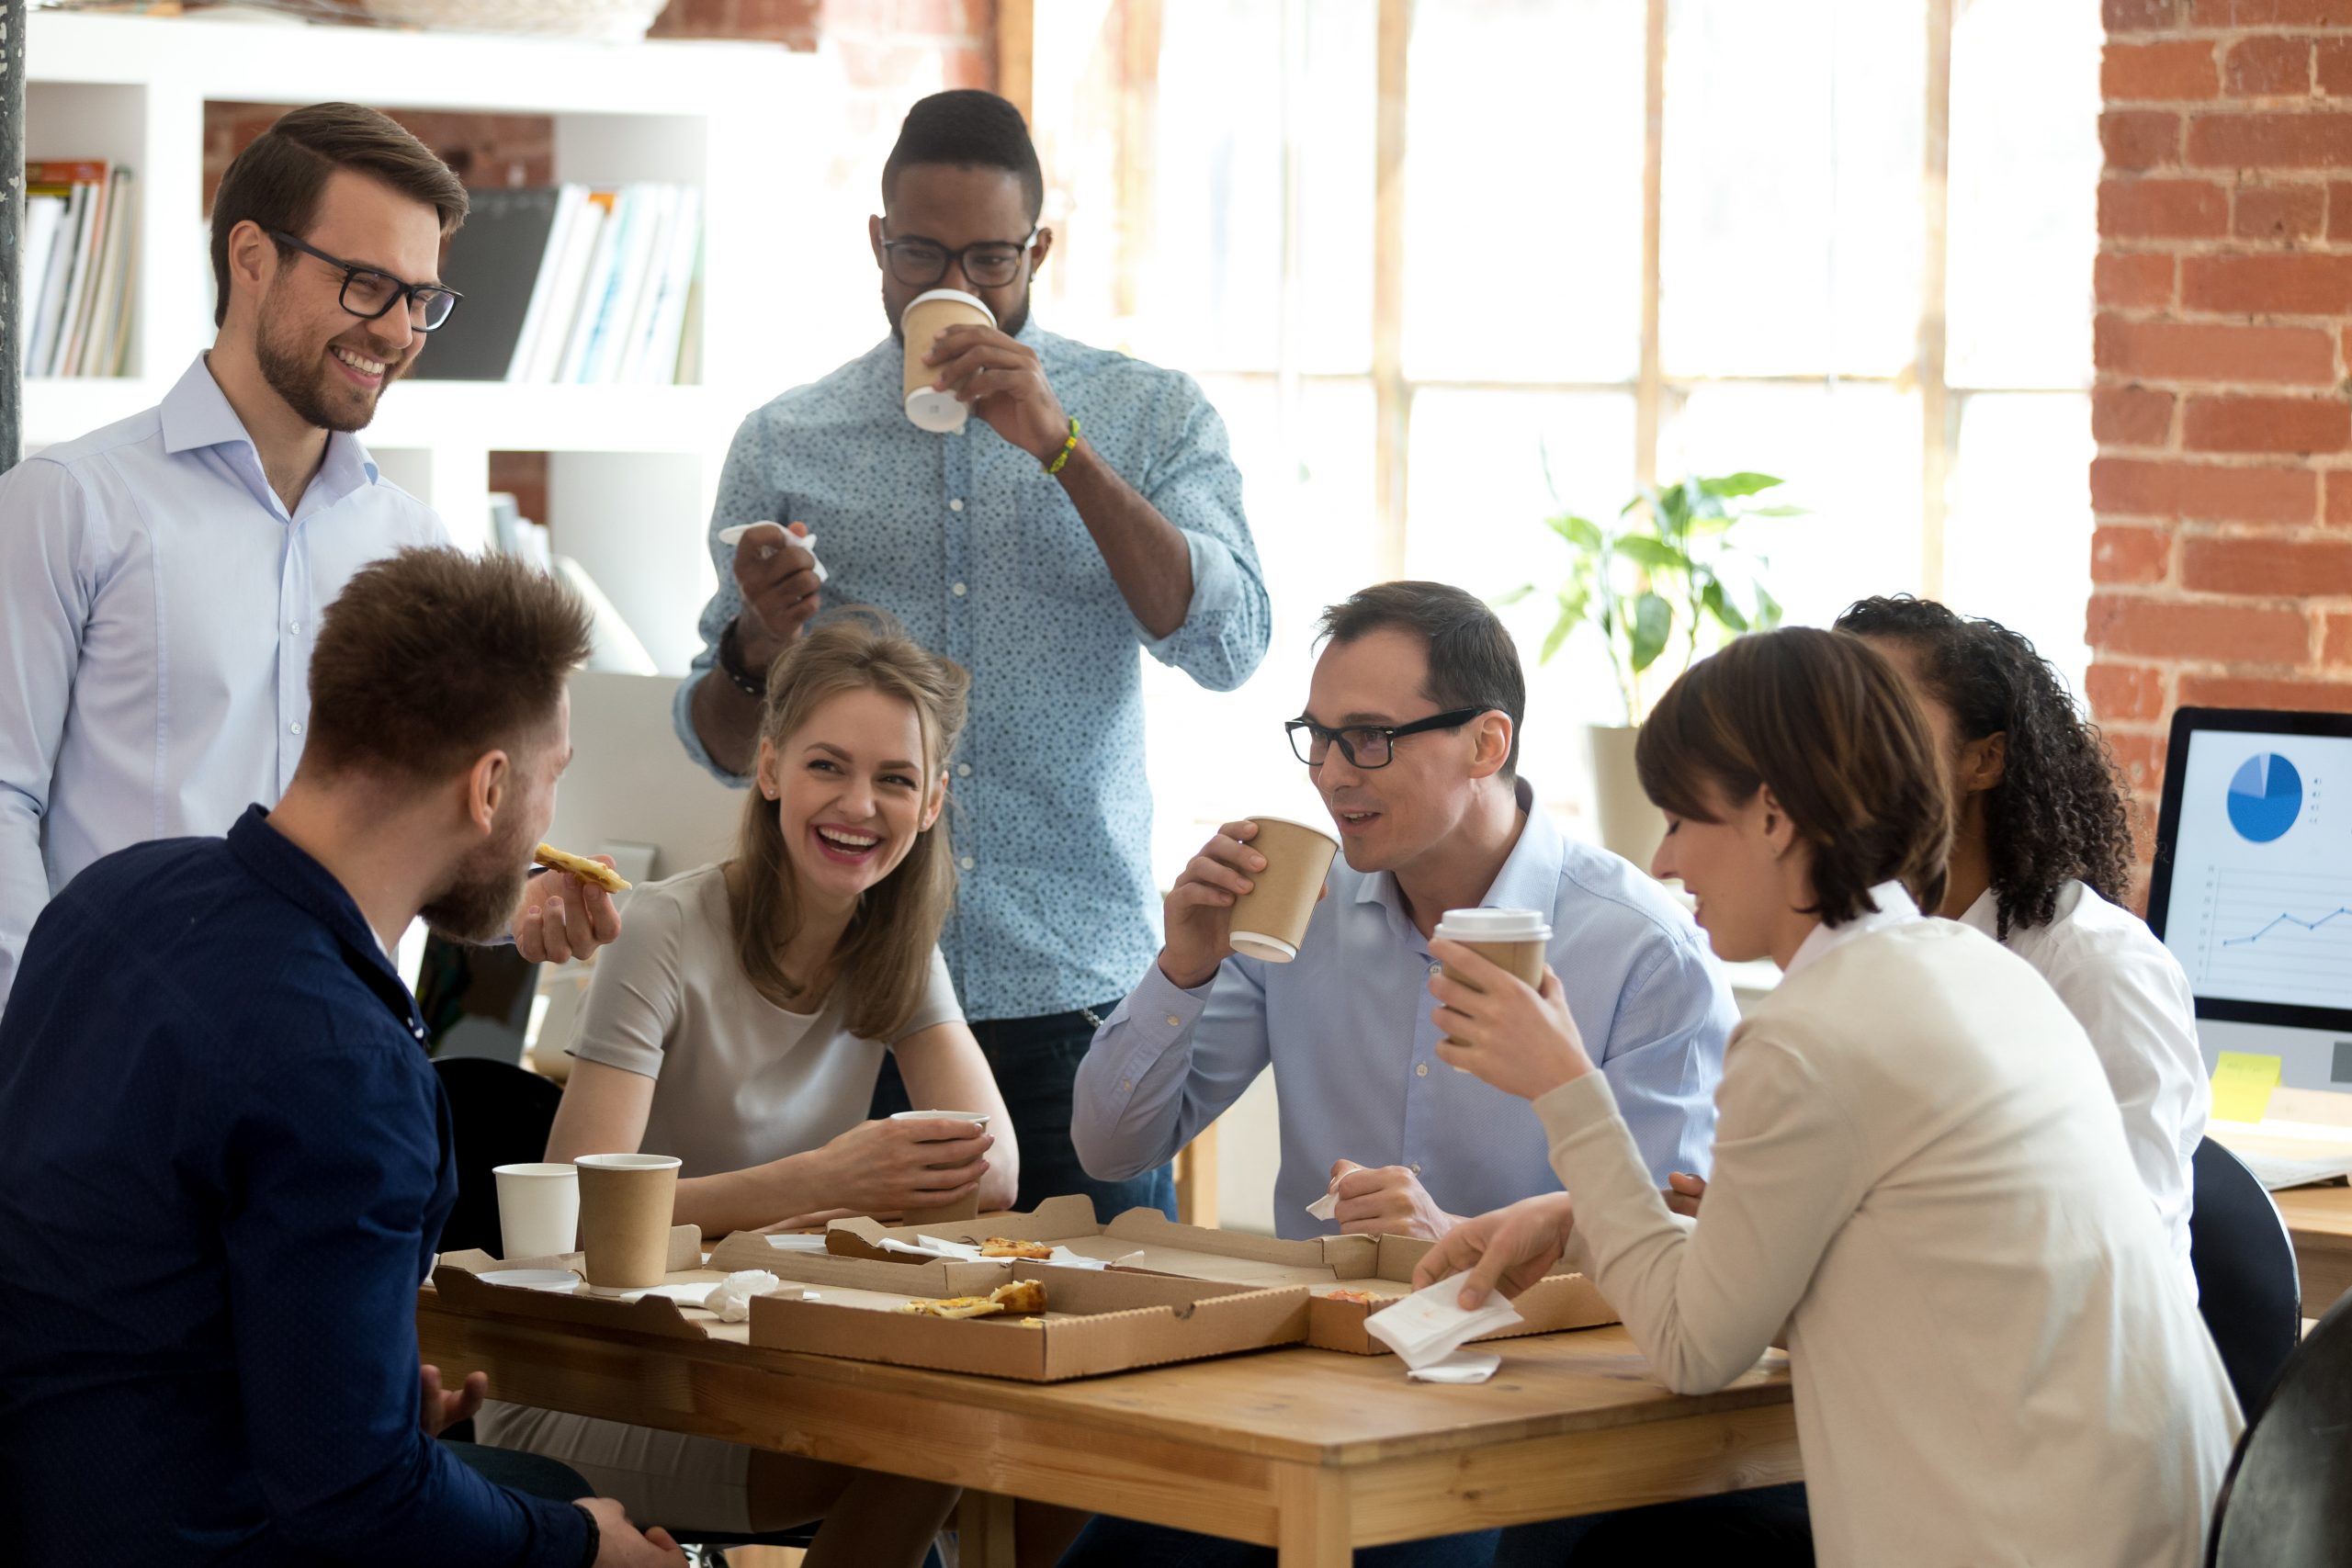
x=1825 y=723
x=431 y=658
x=276 y=182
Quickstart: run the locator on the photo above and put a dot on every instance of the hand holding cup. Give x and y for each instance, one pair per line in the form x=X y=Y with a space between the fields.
x=1518 y=1038
x=892 y=1165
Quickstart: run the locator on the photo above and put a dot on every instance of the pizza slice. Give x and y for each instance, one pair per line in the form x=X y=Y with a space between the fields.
x=956 y=1306
x=580 y=866
x=1022 y=1295
x=1006 y=1247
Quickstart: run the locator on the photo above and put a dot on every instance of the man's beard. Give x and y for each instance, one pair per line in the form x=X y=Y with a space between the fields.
x=479 y=903
x=301 y=381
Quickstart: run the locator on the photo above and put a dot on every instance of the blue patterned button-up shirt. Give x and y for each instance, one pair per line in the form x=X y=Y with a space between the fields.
x=984 y=561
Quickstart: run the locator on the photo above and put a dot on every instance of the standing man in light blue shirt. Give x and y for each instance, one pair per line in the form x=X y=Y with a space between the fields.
x=161 y=580
x=1411 y=736
x=1086 y=514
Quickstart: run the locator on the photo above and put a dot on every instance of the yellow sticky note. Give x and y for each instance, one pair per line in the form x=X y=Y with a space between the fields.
x=2241 y=1086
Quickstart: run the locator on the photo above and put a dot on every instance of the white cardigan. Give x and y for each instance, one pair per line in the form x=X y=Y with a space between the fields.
x=1920 y=1172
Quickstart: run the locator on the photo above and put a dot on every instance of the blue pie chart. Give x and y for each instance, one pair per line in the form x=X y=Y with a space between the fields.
x=2266 y=797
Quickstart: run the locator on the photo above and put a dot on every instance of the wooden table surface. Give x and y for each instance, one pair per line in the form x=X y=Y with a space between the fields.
x=1312 y=1451
x=2319 y=1219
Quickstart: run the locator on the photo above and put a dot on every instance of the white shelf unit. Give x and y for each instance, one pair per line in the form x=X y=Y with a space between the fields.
x=632 y=469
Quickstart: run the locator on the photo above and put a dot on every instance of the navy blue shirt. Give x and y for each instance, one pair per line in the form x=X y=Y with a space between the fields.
x=224 y=1169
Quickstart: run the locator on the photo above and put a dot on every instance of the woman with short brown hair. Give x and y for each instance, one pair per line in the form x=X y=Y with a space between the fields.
x=1919 y=1175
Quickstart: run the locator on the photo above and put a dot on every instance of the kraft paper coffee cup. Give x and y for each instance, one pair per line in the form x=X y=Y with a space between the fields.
x=927 y=315
x=1514 y=939
x=538 y=1209
x=1270 y=920
x=625 y=1204
x=965 y=1208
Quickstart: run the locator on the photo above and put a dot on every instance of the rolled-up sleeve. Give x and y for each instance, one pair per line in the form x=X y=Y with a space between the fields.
x=1197 y=487
x=746 y=494
x=1164 y=1064
x=46 y=581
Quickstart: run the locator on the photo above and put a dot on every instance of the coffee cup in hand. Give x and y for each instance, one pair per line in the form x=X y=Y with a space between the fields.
x=928 y=315
x=1514 y=939
x=1270 y=920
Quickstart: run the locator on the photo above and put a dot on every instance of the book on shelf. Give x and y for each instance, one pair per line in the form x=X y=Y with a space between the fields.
x=80 y=239
x=568 y=284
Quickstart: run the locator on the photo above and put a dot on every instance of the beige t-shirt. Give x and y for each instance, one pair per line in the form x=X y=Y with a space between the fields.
x=739 y=1081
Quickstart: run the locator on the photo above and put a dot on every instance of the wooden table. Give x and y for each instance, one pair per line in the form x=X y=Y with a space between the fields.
x=2319 y=1219
x=1311 y=1451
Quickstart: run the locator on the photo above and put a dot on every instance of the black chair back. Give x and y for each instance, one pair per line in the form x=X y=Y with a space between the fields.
x=499 y=1115
x=2247 y=1284
x=2286 y=1500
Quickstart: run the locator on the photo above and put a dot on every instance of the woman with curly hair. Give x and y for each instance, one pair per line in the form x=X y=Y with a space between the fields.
x=2041 y=861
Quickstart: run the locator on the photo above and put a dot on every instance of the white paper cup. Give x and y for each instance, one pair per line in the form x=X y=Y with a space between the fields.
x=539 y=1210
x=980 y=1116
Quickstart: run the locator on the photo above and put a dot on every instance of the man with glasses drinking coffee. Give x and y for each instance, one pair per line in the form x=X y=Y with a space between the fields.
x=1081 y=511
x=1411 y=736
x=161 y=580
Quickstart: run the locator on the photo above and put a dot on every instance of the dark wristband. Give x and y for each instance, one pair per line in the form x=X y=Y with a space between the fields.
x=730 y=664
x=595 y=1537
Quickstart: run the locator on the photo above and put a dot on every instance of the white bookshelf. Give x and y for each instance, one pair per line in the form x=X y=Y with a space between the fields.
x=632 y=469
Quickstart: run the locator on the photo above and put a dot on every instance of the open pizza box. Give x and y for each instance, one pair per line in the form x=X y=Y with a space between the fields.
x=1146 y=1241
x=533 y=1287
x=1094 y=1321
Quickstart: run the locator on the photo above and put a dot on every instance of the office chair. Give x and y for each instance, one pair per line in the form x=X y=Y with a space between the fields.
x=2287 y=1499
x=2247 y=1284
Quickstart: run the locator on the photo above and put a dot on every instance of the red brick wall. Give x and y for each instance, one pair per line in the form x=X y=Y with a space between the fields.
x=2221 y=567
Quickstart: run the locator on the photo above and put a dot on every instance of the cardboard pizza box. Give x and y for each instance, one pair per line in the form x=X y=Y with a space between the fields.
x=1095 y=1321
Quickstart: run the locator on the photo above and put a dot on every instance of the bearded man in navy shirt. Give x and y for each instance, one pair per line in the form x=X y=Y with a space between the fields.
x=228 y=1160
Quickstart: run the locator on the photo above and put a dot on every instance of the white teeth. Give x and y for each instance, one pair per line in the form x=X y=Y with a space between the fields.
x=364 y=365
x=847 y=839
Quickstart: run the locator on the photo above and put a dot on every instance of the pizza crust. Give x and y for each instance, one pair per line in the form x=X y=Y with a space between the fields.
x=580 y=866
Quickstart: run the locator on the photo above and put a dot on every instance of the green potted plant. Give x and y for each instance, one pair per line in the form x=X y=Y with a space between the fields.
x=1661 y=584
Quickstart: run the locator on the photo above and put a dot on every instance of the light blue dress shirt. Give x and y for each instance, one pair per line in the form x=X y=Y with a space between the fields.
x=1346 y=1028
x=983 y=559
x=157 y=605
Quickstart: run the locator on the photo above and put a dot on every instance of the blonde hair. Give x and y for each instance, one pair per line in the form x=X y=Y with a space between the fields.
x=886 y=951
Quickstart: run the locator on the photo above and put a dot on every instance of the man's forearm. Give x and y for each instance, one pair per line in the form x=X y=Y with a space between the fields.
x=727 y=722
x=1147 y=554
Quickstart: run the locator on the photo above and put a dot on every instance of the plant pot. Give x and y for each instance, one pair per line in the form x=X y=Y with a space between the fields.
x=1630 y=825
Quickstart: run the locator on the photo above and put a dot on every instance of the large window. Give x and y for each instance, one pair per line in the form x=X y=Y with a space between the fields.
x=1446 y=265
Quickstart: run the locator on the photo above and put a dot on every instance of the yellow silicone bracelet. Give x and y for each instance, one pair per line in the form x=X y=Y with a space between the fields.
x=1067 y=447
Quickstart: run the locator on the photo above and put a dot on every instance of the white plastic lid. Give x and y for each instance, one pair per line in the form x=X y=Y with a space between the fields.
x=975 y=301
x=936 y=412
x=1493 y=925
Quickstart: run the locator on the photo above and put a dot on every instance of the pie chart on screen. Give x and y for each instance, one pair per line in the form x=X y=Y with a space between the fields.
x=2266 y=797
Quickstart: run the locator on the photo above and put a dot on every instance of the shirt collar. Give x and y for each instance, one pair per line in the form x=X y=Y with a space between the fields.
x=1891 y=906
x=1984 y=914
x=195 y=414
x=301 y=881
x=1530 y=877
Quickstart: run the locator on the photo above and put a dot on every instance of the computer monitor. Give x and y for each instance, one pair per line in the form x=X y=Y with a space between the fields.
x=2252 y=888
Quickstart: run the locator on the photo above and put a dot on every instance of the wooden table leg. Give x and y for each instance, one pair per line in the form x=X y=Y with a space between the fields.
x=984 y=1530
x=1314 y=1522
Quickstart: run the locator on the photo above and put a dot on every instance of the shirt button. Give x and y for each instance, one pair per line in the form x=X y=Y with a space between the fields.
x=958 y=589
x=963 y=769
x=956 y=504
x=1421 y=1069
x=1416 y=1170
x=1174 y=1021
x=294 y=727
x=1126 y=1086
x=294 y=627
x=965 y=863
x=1435 y=970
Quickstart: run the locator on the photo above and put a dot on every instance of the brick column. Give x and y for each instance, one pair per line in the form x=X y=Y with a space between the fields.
x=2221 y=567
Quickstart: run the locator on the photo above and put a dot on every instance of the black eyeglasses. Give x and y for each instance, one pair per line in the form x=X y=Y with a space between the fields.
x=368 y=294
x=992 y=264
x=1366 y=746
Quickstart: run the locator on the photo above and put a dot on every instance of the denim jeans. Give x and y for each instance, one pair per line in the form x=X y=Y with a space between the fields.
x=1035 y=1062
x=1123 y=1543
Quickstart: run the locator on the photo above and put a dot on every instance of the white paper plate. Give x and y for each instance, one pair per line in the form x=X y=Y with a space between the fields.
x=532 y=1278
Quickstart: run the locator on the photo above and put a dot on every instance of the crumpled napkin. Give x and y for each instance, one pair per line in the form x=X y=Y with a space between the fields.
x=1462 y=1367
x=733 y=535
x=1327 y=1207
x=731 y=1297
x=1428 y=1325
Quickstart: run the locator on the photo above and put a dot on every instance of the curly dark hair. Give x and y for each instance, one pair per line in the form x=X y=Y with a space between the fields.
x=2058 y=813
